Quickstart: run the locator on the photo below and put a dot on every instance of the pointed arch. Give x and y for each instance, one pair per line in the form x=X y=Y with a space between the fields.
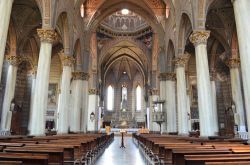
x=184 y=33
x=170 y=56
x=62 y=27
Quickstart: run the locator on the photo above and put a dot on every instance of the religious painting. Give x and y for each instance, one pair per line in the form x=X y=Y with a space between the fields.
x=52 y=96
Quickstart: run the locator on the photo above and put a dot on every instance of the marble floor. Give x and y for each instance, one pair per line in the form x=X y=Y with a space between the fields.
x=114 y=155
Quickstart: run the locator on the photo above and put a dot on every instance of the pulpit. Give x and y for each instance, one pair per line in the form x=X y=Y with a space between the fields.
x=159 y=114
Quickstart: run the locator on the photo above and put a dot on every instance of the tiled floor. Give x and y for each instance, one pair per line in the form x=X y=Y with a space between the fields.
x=114 y=155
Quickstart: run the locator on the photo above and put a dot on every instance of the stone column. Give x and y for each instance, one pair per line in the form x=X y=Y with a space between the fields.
x=9 y=92
x=5 y=8
x=214 y=102
x=33 y=74
x=63 y=105
x=92 y=110
x=242 y=14
x=163 y=93
x=234 y=64
x=206 y=115
x=47 y=36
x=171 y=102
x=188 y=102
x=85 y=101
x=77 y=93
x=182 y=95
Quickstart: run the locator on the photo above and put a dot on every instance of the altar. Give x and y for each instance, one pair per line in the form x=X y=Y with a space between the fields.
x=118 y=130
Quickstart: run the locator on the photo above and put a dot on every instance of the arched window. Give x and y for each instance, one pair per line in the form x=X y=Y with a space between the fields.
x=110 y=99
x=138 y=97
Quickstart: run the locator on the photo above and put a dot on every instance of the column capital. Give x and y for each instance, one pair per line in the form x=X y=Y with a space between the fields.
x=154 y=91
x=162 y=77
x=233 y=62
x=47 y=35
x=80 y=75
x=14 y=60
x=182 y=60
x=167 y=76
x=66 y=59
x=199 y=37
x=93 y=91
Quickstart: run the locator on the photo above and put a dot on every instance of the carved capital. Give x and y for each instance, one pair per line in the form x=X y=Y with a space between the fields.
x=80 y=76
x=162 y=77
x=170 y=76
x=154 y=91
x=167 y=76
x=93 y=91
x=14 y=60
x=181 y=61
x=199 y=37
x=66 y=59
x=47 y=35
x=233 y=62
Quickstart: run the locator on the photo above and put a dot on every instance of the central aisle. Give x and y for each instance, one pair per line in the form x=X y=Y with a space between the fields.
x=114 y=155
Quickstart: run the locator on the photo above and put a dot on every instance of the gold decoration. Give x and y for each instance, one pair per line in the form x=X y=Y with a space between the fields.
x=66 y=59
x=233 y=62
x=47 y=35
x=14 y=60
x=154 y=91
x=80 y=76
x=167 y=76
x=199 y=37
x=182 y=60
x=93 y=91
x=170 y=76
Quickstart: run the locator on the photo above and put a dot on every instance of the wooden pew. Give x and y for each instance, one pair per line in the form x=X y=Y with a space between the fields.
x=11 y=162
x=178 y=154
x=228 y=163
x=59 y=149
x=55 y=154
x=70 y=152
x=26 y=158
x=202 y=159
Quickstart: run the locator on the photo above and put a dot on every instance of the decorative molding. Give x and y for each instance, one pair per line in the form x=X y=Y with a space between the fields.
x=14 y=60
x=66 y=59
x=199 y=37
x=80 y=76
x=171 y=76
x=47 y=35
x=167 y=76
x=93 y=91
x=233 y=62
x=154 y=91
x=181 y=61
